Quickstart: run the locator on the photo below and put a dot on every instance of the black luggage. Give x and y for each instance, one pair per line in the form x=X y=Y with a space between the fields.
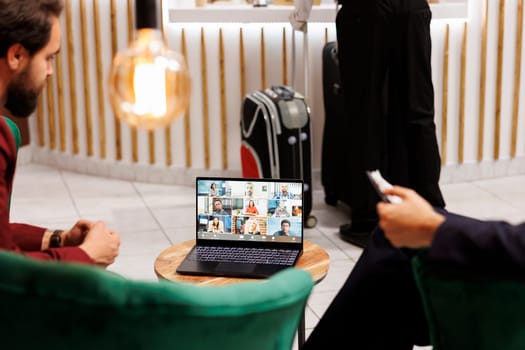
x=333 y=111
x=334 y=132
x=276 y=139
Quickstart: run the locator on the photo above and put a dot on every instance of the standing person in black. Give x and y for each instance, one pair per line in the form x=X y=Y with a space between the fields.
x=384 y=49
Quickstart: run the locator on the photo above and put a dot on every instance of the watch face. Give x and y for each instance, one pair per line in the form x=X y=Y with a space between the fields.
x=55 y=240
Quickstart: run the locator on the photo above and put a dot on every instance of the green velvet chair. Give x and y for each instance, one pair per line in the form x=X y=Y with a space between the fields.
x=50 y=305
x=471 y=311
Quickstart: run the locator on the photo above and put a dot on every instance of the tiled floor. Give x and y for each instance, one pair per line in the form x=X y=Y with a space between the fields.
x=152 y=217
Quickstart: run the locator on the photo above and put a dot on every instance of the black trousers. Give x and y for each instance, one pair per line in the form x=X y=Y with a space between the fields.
x=384 y=53
x=378 y=307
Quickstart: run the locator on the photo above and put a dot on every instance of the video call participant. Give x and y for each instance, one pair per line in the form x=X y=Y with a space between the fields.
x=213 y=191
x=252 y=227
x=284 y=194
x=285 y=228
x=251 y=209
x=218 y=209
x=280 y=211
x=216 y=225
x=30 y=37
x=249 y=190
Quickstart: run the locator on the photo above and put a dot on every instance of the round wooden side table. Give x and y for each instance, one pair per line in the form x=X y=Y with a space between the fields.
x=314 y=259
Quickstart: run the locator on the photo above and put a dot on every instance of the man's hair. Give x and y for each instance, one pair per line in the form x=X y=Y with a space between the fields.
x=27 y=22
x=285 y=221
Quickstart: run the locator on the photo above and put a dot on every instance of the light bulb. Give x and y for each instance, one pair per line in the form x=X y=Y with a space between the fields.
x=149 y=85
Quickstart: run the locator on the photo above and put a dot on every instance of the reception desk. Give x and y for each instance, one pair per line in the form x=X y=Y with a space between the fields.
x=323 y=13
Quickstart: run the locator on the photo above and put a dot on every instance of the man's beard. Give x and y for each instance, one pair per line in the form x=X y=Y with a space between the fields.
x=22 y=97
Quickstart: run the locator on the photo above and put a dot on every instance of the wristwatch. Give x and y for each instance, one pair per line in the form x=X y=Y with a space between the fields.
x=55 y=241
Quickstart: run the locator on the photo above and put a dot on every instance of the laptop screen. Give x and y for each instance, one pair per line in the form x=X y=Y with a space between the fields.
x=257 y=210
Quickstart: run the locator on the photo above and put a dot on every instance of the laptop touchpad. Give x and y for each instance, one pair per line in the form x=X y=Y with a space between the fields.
x=235 y=267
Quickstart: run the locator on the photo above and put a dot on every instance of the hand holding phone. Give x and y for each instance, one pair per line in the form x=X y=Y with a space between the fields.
x=380 y=185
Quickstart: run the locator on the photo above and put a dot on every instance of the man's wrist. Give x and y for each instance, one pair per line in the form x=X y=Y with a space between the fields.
x=432 y=224
x=56 y=240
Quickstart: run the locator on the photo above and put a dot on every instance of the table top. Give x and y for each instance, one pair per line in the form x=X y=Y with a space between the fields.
x=314 y=259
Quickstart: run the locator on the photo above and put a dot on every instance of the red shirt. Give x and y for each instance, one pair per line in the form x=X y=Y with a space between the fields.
x=23 y=238
x=252 y=210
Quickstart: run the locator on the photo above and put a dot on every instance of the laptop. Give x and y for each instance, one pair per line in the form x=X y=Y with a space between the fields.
x=246 y=227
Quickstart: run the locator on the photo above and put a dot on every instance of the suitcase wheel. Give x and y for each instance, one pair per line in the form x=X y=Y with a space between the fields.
x=311 y=221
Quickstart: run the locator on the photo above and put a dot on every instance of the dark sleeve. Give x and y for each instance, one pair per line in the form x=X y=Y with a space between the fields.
x=469 y=242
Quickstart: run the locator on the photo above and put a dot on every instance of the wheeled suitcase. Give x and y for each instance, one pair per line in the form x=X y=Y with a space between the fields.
x=276 y=142
x=334 y=132
x=333 y=111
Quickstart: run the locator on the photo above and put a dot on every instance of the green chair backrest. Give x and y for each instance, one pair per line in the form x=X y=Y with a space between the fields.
x=471 y=313
x=15 y=130
x=51 y=305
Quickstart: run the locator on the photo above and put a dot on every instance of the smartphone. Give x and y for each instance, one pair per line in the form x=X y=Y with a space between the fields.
x=380 y=185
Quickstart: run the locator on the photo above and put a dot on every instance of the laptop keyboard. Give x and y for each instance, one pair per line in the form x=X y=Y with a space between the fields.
x=244 y=255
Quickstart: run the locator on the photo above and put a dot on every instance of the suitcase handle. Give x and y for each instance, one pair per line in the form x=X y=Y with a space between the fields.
x=305 y=60
x=284 y=92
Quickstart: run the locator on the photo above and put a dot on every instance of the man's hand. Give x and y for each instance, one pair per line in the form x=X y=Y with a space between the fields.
x=411 y=223
x=75 y=236
x=101 y=244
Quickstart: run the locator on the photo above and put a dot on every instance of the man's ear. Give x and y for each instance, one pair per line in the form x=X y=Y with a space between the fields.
x=16 y=57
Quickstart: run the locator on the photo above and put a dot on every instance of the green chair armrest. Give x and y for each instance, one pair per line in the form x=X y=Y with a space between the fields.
x=470 y=312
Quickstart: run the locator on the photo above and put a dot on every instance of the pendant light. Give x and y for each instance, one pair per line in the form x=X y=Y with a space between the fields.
x=149 y=85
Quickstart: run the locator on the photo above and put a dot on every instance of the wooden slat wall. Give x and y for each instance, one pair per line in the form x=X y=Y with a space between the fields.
x=479 y=117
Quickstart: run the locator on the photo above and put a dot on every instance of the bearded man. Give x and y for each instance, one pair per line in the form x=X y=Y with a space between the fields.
x=30 y=37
